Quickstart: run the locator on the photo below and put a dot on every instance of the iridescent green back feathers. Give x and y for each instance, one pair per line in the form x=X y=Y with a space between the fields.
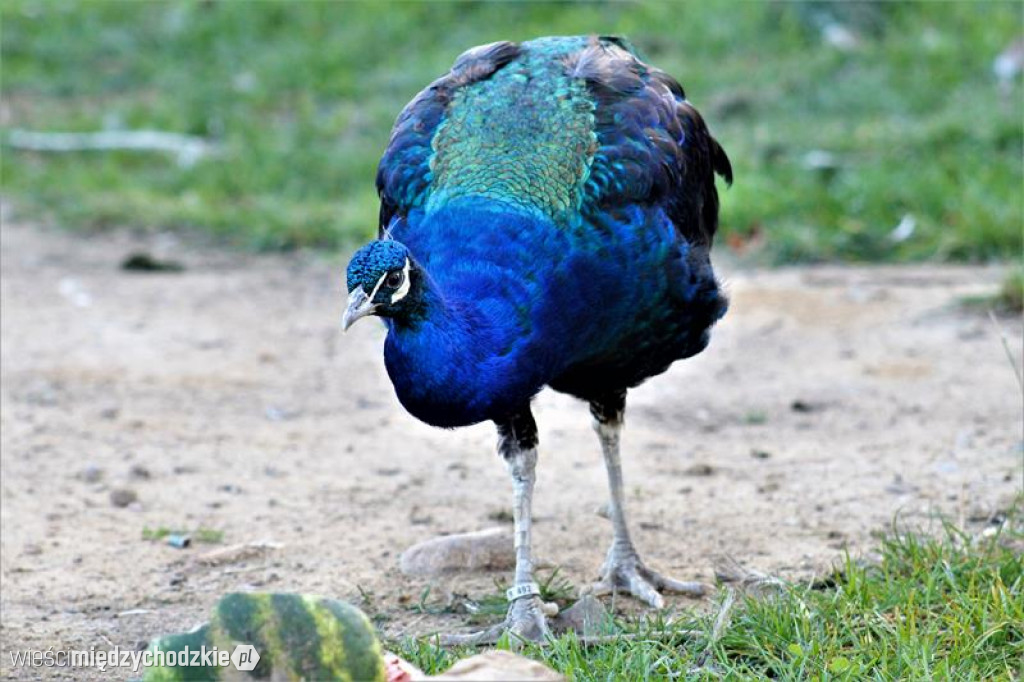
x=494 y=144
x=566 y=127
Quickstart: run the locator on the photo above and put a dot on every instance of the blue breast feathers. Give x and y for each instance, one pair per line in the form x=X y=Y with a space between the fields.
x=514 y=303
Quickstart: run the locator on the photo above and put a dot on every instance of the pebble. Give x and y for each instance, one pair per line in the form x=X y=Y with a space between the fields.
x=587 y=617
x=501 y=516
x=91 y=474
x=805 y=406
x=280 y=414
x=122 y=497
x=484 y=550
x=699 y=470
x=418 y=518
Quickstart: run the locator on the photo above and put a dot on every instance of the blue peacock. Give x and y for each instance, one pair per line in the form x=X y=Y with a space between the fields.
x=547 y=209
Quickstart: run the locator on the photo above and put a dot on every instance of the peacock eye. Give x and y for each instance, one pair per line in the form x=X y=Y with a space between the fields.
x=395 y=279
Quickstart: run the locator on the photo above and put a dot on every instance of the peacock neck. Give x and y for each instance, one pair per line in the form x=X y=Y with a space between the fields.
x=450 y=326
x=452 y=366
x=472 y=350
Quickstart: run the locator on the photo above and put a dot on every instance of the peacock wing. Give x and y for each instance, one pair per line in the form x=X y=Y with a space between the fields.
x=653 y=146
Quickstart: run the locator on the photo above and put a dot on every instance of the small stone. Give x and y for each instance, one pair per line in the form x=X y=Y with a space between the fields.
x=122 y=497
x=899 y=486
x=804 y=406
x=418 y=518
x=700 y=469
x=587 y=617
x=485 y=550
x=91 y=474
x=280 y=414
x=363 y=403
x=140 y=261
x=501 y=516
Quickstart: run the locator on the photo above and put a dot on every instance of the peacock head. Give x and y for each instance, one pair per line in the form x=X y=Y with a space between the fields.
x=380 y=282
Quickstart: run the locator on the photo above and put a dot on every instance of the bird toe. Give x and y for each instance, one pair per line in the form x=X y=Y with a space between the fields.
x=524 y=622
x=643 y=590
x=689 y=588
x=628 y=574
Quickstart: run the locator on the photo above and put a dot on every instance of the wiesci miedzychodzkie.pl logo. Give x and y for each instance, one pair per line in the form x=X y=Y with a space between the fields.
x=244 y=658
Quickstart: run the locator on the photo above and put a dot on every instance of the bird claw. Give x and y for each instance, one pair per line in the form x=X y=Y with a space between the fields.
x=626 y=573
x=524 y=622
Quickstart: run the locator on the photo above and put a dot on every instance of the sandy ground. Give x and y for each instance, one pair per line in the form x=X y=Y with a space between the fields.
x=830 y=400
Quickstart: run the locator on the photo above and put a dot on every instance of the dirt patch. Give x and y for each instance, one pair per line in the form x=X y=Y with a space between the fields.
x=225 y=398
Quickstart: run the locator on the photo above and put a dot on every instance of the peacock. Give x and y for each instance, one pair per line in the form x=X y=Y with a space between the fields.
x=547 y=210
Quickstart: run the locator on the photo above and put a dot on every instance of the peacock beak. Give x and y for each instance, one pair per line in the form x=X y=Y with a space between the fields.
x=359 y=305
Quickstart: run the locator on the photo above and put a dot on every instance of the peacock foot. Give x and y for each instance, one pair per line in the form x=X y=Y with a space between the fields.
x=623 y=571
x=525 y=622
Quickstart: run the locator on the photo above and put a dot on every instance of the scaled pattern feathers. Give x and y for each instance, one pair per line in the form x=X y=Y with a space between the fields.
x=618 y=132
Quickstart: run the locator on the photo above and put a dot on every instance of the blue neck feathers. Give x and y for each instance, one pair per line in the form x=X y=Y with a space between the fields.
x=468 y=355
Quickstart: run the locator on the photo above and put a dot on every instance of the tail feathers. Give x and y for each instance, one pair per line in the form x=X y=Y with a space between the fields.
x=720 y=161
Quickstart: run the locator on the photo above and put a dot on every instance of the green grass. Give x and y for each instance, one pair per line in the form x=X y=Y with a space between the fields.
x=201 y=534
x=300 y=98
x=946 y=608
x=1007 y=300
x=1011 y=293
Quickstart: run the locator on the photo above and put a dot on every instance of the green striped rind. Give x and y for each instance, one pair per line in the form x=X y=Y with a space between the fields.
x=248 y=619
x=352 y=634
x=297 y=637
x=193 y=640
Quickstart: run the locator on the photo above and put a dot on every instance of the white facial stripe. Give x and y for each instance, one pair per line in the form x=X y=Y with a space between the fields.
x=377 y=286
x=404 y=289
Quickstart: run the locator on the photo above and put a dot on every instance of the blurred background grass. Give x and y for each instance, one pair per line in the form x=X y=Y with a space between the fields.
x=843 y=120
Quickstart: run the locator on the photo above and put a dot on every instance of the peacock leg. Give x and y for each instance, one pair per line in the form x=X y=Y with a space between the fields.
x=517 y=444
x=623 y=569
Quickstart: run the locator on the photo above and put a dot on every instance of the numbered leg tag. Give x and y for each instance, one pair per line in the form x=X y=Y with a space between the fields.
x=520 y=591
